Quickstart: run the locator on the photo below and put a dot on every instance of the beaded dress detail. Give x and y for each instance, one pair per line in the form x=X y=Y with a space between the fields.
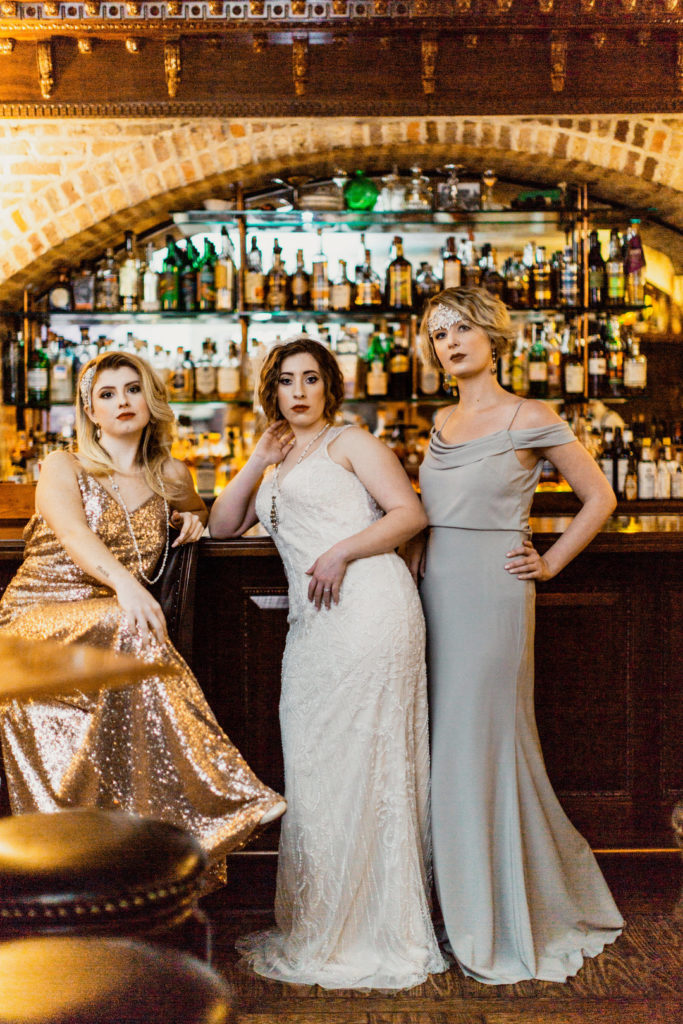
x=352 y=903
x=153 y=748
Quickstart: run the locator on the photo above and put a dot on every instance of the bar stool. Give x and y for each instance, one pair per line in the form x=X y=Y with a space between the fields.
x=95 y=872
x=73 y=980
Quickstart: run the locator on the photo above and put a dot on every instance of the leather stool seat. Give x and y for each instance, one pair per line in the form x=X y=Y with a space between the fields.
x=98 y=872
x=74 y=980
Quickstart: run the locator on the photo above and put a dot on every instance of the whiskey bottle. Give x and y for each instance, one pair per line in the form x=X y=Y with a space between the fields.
x=490 y=279
x=128 y=276
x=60 y=296
x=517 y=282
x=635 y=367
x=320 y=283
x=340 y=291
x=205 y=373
x=225 y=275
x=399 y=385
x=597 y=367
x=616 y=284
x=13 y=376
x=471 y=271
x=107 y=284
x=597 y=274
x=300 y=285
x=573 y=369
x=399 y=281
x=254 y=278
x=538 y=365
x=228 y=374
x=634 y=266
x=276 y=288
x=569 y=285
x=38 y=377
x=181 y=380
x=368 y=287
x=187 y=299
x=206 y=278
x=427 y=284
x=61 y=374
x=615 y=357
x=346 y=351
x=376 y=356
x=647 y=472
x=149 y=299
x=452 y=266
x=83 y=288
x=169 y=282
x=543 y=296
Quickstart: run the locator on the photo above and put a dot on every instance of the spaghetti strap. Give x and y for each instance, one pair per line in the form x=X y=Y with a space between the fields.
x=518 y=407
x=446 y=420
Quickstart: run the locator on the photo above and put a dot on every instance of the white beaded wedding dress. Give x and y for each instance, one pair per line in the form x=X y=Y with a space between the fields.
x=352 y=904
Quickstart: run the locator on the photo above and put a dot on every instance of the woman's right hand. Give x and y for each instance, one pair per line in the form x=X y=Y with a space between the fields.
x=414 y=554
x=274 y=443
x=143 y=613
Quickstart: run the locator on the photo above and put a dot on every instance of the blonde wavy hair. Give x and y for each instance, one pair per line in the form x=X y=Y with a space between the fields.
x=478 y=307
x=157 y=437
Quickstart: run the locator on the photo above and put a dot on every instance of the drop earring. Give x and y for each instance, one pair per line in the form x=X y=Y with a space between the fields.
x=494 y=360
x=98 y=431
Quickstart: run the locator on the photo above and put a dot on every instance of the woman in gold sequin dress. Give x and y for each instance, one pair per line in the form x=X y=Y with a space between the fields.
x=100 y=527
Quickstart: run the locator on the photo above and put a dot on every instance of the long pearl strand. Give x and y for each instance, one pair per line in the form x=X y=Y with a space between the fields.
x=119 y=497
x=274 y=514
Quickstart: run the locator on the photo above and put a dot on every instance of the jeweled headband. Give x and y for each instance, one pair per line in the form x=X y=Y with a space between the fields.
x=442 y=317
x=86 y=386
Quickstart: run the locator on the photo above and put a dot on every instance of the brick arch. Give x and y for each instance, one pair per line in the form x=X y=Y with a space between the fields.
x=91 y=179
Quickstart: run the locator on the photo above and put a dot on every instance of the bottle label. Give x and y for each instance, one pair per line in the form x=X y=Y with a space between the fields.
x=635 y=373
x=452 y=273
x=631 y=487
x=597 y=366
x=254 y=288
x=538 y=370
x=300 y=286
x=400 y=286
x=429 y=380
x=205 y=380
x=573 y=379
x=340 y=296
x=399 y=363
x=377 y=380
x=228 y=381
x=128 y=281
x=37 y=379
x=59 y=298
x=596 y=279
x=84 y=294
x=646 y=480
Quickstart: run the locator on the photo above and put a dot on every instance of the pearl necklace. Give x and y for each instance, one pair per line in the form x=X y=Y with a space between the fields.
x=119 y=498
x=274 y=515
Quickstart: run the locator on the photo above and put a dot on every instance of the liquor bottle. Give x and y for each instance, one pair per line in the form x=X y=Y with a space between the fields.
x=554 y=361
x=471 y=271
x=569 y=284
x=573 y=368
x=149 y=297
x=228 y=375
x=452 y=267
x=677 y=479
x=400 y=381
x=490 y=278
x=187 y=298
x=161 y=361
x=376 y=378
x=543 y=296
x=206 y=278
x=346 y=351
x=83 y=288
x=635 y=367
x=615 y=357
x=597 y=274
x=427 y=284
x=429 y=379
x=61 y=374
x=38 y=377
x=205 y=373
x=340 y=291
x=663 y=475
x=399 y=282
x=597 y=367
x=630 y=489
x=606 y=459
x=128 y=275
x=225 y=275
x=368 y=288
x=13 y=375
x=538 y=365
x=621 y=459
x=504 y=369
x=60 y=297
x=276 y=285
x=181 y=381
x=169 y=282
x=320 y=282
x=520 y=367
x=647 y=472
x=634 y=266
x=254 y=278
x=616 y=284
x=517 y=282
x=300 y=285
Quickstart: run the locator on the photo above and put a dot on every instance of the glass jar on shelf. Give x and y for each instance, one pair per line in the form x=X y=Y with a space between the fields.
x=447 y=191
x=418 y=198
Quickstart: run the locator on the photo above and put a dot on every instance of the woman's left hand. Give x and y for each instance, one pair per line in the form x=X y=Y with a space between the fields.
x=327 y=573
x=190 y=526
x=527 y=564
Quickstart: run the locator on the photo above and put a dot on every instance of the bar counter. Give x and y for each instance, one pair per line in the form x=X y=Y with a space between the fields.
x=609 y=684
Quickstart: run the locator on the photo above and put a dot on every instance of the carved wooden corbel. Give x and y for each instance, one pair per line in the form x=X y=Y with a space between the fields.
x=45 y=68
x=421 y=7
x=339 y=7
x=256 y=8
x=546 y=6
x=174 y=8
x=381 y=8
x=587 y=6
x=599 y=39
x=92 y=8
x=133 y=8
x=503 y=5
x=629 y=5
x=51 y=9
x=172 y=66
x=8 y=9
x=300 y=65
x=558 y=60
x=132 y=45
x=6 y=46
x=430 y=49
x=258 y=42
x=644 y=37
x=463 y=6
x=471 y=41
x=671 y=6
x=85 y=45
x=216 y=8
x=298 y=8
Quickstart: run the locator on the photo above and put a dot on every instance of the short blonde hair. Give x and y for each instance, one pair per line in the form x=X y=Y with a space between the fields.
x=480 y=308
x=155 y=444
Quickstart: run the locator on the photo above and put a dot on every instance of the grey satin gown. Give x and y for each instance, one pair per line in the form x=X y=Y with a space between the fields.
x=521 y=893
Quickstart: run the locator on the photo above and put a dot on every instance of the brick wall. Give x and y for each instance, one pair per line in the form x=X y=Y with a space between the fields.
x=70 y=186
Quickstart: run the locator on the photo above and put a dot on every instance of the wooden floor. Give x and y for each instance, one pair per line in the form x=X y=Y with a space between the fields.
x=637 y=980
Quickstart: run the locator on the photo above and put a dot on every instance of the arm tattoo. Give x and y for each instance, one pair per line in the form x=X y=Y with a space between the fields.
x=103 y=571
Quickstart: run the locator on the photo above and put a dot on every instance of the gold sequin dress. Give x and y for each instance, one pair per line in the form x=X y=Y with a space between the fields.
x=153 y=748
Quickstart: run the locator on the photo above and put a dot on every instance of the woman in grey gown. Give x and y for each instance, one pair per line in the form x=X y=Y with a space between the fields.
x=521 y=893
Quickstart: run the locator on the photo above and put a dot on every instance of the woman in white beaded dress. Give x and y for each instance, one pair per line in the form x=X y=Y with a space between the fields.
x=102 y=523
x=521 y=893
x=352 y=903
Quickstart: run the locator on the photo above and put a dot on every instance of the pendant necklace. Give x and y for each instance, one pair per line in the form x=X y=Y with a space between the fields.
x=121 y=502
x=274 y=514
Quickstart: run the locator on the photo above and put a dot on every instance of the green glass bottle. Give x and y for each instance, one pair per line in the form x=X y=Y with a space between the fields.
x=360 y=192
x=169 y=284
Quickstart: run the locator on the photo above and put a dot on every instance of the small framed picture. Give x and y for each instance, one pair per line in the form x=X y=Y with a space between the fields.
x=469 y=195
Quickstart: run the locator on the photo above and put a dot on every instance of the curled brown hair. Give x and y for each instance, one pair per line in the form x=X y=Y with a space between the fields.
x=480 y=308
x=329 y=371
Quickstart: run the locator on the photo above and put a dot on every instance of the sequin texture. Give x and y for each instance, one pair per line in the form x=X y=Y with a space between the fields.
x=152 y=748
